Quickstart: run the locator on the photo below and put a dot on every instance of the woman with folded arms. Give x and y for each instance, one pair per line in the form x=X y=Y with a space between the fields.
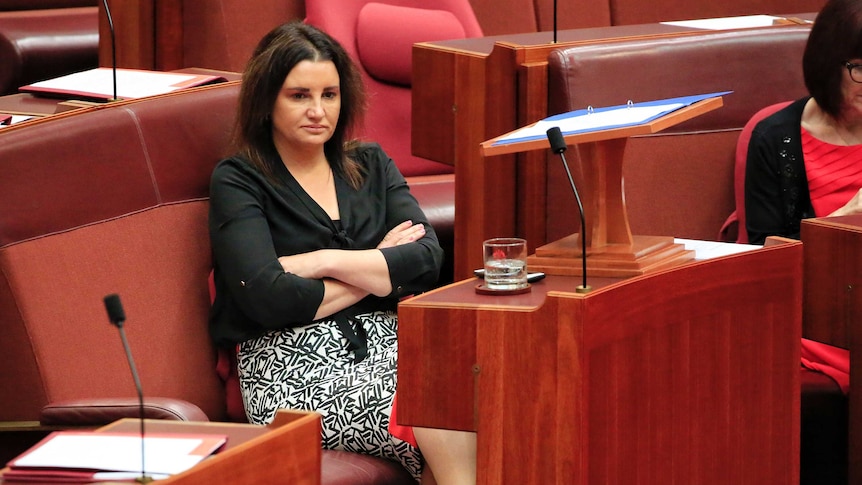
x=315 y=238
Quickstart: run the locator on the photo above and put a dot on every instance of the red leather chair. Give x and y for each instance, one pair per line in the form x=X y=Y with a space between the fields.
x=379 y=36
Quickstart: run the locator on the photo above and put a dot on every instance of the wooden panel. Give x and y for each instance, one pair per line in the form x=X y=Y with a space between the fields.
x=168 y=46
x=833 y=305
x=134 y=30
x=655 y=379
x=833 y=270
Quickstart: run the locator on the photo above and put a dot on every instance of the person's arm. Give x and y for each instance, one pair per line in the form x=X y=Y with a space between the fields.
x=413 y=267
x=365 y=269
x=398 y=230
x=854 y=206
x=246 y=258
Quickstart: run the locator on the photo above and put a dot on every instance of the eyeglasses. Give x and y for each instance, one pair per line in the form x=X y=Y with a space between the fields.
x=855 y=71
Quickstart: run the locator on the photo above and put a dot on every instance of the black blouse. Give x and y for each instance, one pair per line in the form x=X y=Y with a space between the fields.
x=252 y=222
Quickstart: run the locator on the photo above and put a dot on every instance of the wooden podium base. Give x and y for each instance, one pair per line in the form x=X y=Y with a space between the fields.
x=645 y=254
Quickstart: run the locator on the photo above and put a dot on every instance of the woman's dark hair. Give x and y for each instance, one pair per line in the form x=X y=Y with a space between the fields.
x=835 y=38
x=277 y=53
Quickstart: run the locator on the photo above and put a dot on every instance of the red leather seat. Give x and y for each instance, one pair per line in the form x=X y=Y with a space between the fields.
x=45 y=41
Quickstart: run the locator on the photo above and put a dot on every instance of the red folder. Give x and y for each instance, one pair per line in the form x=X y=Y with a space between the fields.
x=98 y=84
x=84 y=457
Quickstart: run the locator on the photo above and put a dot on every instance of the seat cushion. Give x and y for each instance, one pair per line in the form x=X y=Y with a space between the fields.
x=345 y=468
x=385 y=35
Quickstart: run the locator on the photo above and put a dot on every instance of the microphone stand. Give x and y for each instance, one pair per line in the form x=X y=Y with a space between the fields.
x=118 y=318
x=113 y=46
x=558 y=146
x=143 y=478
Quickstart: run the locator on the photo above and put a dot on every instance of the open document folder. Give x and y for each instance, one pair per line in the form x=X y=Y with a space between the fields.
x=83 y=457
x=597 y=119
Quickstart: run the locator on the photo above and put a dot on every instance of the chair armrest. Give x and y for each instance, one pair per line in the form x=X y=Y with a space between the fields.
x=99 y=412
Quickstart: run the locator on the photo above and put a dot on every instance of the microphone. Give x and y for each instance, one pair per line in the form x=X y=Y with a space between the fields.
x=558 y=146
x=118 y=317
x=113 y=56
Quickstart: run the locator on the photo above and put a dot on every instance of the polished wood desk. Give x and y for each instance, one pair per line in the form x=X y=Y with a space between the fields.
x=470 y=90
x=687 y=375
x=833 y=305
x=287 y=451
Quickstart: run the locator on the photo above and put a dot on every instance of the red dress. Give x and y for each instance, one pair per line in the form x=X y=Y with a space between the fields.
x=834 y=175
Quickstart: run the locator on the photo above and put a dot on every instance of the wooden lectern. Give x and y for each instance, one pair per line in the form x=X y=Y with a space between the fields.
x=684 y=375
x=612 y=250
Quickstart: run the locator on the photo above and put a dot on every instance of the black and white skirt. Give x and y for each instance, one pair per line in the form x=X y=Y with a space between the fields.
x=310 y=368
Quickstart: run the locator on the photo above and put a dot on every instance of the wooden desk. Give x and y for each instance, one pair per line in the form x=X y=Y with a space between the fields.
x=688 y=375
x=467 y=91
x=833 y=305
x=287 y=451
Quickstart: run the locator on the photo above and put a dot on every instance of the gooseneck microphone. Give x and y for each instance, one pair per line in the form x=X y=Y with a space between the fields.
x=113 y=54
x=118 y=317
x=558 y=146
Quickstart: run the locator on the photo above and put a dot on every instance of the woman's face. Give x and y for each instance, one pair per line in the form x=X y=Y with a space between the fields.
x=852 y=92
x=306 y=109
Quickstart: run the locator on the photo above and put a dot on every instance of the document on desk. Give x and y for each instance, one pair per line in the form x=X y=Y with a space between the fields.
x=13 y=119
x=603 y=118
x=728 y=23
x=98 y=84
x=70 y=455
x=714 y=249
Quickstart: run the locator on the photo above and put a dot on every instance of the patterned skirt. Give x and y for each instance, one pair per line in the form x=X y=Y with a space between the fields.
x=310 y=368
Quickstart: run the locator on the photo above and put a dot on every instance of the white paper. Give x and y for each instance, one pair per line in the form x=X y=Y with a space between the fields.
x=727 y=23
x=714 y=249
x=103 y=451
x=17 y=119
x=131 y=83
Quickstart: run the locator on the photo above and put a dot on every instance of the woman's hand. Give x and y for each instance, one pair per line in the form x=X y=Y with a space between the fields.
x=305 y=265
x=854 y=206
x=402 y=234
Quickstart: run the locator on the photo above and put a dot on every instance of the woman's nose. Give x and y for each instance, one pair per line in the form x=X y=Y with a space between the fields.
x=315 y=110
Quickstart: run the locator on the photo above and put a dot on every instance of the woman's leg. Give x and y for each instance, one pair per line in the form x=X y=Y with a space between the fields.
x=450 y=455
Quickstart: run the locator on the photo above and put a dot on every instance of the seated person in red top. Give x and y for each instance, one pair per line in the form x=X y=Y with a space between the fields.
x=315 y=238
x=806 y=160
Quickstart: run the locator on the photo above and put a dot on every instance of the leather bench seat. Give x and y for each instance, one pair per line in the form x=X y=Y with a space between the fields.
x=114 y=199
x=41 y=44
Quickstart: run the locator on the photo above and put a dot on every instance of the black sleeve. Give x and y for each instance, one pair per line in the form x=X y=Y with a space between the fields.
x=245 y=257
x=412 y=267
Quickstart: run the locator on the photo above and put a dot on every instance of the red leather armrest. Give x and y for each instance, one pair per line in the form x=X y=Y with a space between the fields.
x=99 y=412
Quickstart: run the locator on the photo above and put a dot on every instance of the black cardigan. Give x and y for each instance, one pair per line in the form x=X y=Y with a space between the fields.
x=776 y=185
